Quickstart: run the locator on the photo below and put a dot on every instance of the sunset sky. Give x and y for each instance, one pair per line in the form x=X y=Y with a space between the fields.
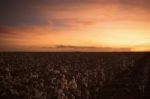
x=75 y=25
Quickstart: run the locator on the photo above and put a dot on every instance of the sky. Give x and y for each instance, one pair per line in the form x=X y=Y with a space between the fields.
x=75 y=25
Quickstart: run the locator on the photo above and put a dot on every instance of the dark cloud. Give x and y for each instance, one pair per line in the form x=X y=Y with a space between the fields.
x=20 y=13
x=33 y=3
x=28 y=12
x=60 y=23
x=84 y=48
x=144 y=3
x=6 y=30
x=71 y=23
x=74 y=47
x=24 y=21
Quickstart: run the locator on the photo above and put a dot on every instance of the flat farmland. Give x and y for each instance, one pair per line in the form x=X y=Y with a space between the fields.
x=74 y=75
